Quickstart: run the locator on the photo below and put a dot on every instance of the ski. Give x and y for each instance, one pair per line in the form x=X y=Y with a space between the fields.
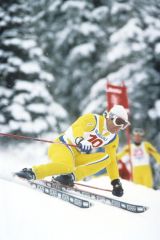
x=60 y=194
x=54 y=192
x=134 y=208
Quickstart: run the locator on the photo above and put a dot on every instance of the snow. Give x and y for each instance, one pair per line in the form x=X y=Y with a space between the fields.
x=76 y=5
x=35 y=89
x=57 y=110
x=28 y=214
x=36 y=52
x=21 y=98
x=96 y=98
x=54 y=5
x=2 y=119
x=47 y=76
x=119 y=51
x=5 y=92
x=18 y=112
x=37 y=108
x=157 y=107
x=36 y=126
x=24 y=103
x=152 y=34
x=120 y=7
x=157 y=48
x=122 y=38
x=87 y=28
x=25 y=44
x=30 y=67
x=98 y=87
x=100 y=13
x=62 y=36
x=82 y=50
x=6 y=67
x=15 y=61
x=129 y=31
x=155 y=112
x=98 y=102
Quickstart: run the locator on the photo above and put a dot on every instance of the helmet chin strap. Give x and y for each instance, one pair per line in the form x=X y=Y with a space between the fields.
x=106 y=114
x=107 y=127
x=107 y=124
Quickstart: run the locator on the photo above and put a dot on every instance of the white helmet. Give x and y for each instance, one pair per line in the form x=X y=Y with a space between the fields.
x=119 y=116
x=119 y=111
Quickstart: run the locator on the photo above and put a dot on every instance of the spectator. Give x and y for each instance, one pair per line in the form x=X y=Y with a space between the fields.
x=140 y=152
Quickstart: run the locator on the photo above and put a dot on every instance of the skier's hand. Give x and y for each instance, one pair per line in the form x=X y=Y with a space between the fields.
x=117 y=188
x=84 y=145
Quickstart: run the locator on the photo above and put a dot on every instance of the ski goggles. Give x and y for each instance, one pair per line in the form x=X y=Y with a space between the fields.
x=119 y=122
x=138 y=131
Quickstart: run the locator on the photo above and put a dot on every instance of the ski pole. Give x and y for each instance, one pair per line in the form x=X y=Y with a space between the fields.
x=84 y=185
x=32 y=138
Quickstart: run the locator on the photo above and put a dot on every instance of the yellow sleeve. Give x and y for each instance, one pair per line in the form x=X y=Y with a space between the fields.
x=86 y=123
x=124 y=152
x=152 y=151
x=112 y=168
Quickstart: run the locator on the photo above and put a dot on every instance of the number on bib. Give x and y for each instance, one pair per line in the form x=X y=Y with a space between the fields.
x=96 y=142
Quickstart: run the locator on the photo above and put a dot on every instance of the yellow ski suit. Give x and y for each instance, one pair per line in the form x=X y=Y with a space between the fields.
x=140 y=159
x=65 y=159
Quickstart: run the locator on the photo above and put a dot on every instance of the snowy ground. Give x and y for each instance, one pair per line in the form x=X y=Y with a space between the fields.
x=27 y=214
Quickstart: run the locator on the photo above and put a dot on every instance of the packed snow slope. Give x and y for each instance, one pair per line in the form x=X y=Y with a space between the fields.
x=26 y=214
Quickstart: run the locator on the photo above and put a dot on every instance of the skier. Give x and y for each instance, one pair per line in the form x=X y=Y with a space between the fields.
x=75 y=163
x=140 y=152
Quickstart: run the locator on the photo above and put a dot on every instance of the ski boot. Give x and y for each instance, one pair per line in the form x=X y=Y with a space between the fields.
x=65 y=179
x=26 y=173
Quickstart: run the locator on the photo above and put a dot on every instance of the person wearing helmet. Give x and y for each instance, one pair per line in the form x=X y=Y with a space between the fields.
x=76 y=163
x=140 y=152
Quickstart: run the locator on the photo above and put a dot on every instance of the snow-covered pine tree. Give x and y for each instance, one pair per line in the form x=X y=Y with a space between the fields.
x=26 y=104
x=85 y=42
x=133 y=56
x=74 y=35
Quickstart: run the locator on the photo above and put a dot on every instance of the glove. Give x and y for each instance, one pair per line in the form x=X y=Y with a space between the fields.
x=117 y=188
x=84 y=145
